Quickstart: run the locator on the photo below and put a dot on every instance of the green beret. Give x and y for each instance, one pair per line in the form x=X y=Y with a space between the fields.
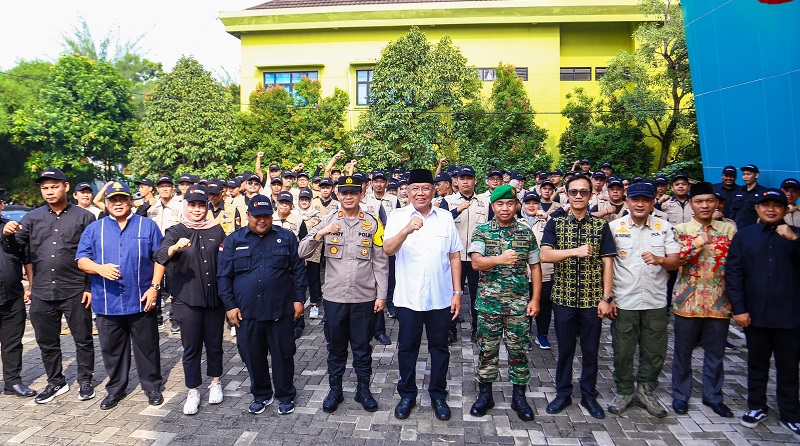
x=503 y=192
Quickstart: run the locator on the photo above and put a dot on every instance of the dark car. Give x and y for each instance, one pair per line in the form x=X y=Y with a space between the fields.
x=15 y=212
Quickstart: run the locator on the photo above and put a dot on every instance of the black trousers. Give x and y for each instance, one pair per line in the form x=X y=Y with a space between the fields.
x=46 y=320
x=545 y=308
x=762 y=344
x=256 y=340
x=349 y=324
x=570 y=324
x=391 y=284
x=12 y=327
x=469 y=274
x=117 y=334
x=671 y=279
x=409 y=339
x=200 y=326
x=379 y=324
x=689 y=333
x=313 y=273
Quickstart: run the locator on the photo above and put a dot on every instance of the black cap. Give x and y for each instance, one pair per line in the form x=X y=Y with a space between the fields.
x=661 y=179
x=680 y=176
x=326 y=182
x=585 y=161
x=557 y=172
x=547 y=183
x=772 y=194
x=316 y=179
x=164 y=179
x=145 y=181
x=544 y=175
x=397 y=170
x=214 y=187
x=196 y=193
x=531 y=195
x=614 y=181
x=278 y=180
x=393 y=184
x=303 y=174
x=599 y=174
x=729 y=170
x=444 y=176
x=606 y=164
x=350 y=183
x=52 y=174
x=118 y=188
x=494 y=172
x=254 y=177
x=273 y=167
x=378 y=174
x=720 y=197
x=288 y=174
x=285 y=196
x=336 y=169
x=790 y=183
x=186 y=178
x=236 y=182
x=518 y=176
x=637 y=179
x=466 y=171
x=641 y=190
x=84 y=186
x=305 y=193
x=259 y=205
x=703 y=188
x=203 y=181
x=750 y=167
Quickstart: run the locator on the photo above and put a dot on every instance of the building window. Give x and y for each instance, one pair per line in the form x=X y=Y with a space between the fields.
x=599 y=72
x=576 y=74
x=486 y=74
x=363 y=83
x=287 y=79
x=522 y=73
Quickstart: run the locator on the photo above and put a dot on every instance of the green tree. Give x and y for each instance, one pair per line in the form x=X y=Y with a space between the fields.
x=19 y=90
x=189 y=125
x=601 y=131
x=652 y=84
x=416 y=87
x=84 y=116
x=506 y=135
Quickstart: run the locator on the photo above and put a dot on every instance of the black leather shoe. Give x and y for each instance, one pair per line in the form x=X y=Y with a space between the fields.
x=155 y=398
x=403 y=408
x=719 y=408
x=383 y=339
x=20 y=390
x=111 y=401
x=441 y=409
x=452 y=337
x=594 y=409
x=558 y=404
x=680 y=407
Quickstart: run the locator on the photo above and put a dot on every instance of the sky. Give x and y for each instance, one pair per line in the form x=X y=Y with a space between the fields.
x=32 y=29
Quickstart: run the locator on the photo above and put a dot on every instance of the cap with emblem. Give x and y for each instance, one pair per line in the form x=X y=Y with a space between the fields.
x=661 y=179
x=254 y=177
x=790 y=183
x=444 y=176
x=164 y=179
x=378 y=174
x=720 y=197
x=259 y=205
x=543 y=175
x=772 y=194
x=349 y=183
x=641 y=190
x=186 y=178
x=637 y=179
x=214 y=187
x=503 y=192
x=606 y=165
x=680 y=176
x=614 y=182
x=494 y=172
x=729 y=170
x=547 y=183
x=326 y=182
x=750 y=167
x=466 y=171
x=305 y=193
x=288 y=174
x=202 y=181
x=302 y=174
x=557 y=172
x=518 y=176
x=143 y=181
x=599 y=175
x=531 y=195
x=118 y=188
x=236 y=182
x=52 y=174
x=84 y=186
x=276 y=180
x=285 y=196
x=393 y=184
x=362 y=176
x=585 y=161
x=316 y=179
x=196 y=193
x=274 y=167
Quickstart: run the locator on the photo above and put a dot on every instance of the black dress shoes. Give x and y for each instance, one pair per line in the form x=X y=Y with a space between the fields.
x=111 y=401
x=383 y=339
x=590 y=404
x=441 y=409
x=558 y=404
x=154 y=398
x=719 y=408
x=20 y=390
x=403 y=408
x=680 y=407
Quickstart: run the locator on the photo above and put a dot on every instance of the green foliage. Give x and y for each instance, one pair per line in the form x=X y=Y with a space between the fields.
x=652 y=84
x=290 y=129
x=416 y=87
x=600 y=130
x=505 y=135
x=189 y=125
x=693 y=169
x=84 y=113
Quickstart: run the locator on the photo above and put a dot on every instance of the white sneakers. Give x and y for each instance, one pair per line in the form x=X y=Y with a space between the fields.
x=192 y=404
x=215 y=393
x=313 y=313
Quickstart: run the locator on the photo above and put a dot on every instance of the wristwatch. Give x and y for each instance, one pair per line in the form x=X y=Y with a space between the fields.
x=608 y=299
x=459 y=292
x=156 y=286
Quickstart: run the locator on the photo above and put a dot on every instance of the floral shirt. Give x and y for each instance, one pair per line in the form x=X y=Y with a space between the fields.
x=700 y=288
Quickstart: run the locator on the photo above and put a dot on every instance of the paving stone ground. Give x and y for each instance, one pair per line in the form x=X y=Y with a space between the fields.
x=69 y=421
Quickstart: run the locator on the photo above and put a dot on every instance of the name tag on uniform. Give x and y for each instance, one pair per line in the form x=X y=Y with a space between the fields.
x=242 y=247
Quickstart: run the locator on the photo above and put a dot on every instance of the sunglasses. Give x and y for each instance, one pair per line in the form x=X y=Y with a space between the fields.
x=575 y=192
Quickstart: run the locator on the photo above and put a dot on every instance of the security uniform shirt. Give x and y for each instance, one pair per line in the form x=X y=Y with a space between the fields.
x=225 y=215
x=166 y=215
x=743 y=211
x=291 y=223
x=262 y=276
x=325 y=207
x=356 y=268
x=133 y=249
x=389 y=202
x=677 y=211
x=49 y=241
x=11 y=272
x=476 y=214
x=194 y=270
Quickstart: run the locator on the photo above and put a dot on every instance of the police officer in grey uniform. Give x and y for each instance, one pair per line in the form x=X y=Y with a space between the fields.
x=353 y=241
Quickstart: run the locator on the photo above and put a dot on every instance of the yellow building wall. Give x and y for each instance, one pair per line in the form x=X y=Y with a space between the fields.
x=543 y=48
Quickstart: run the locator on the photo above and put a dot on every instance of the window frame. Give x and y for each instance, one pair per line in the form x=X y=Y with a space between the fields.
x=368 y=86
x=569 y=74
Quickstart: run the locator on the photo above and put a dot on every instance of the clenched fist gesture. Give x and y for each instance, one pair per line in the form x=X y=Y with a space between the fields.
x=414 y=224
x=11 y=227
x=182 y=244
x=508 y=257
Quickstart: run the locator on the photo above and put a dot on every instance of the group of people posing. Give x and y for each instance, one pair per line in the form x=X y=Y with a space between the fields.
x=574 y=249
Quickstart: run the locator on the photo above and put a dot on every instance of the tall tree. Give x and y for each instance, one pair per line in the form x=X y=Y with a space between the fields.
x=653 y=84
x=416 y=87
x=84 y=116
x=189 y=125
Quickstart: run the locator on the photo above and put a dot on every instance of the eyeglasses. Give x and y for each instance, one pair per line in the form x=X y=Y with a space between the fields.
x=575 y=192
x=251 y=182
x=416 y=189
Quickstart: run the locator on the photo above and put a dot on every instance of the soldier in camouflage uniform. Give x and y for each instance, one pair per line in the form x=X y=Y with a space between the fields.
x=503 y=250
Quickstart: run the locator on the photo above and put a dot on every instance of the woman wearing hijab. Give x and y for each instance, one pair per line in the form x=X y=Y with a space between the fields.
x=191 y=247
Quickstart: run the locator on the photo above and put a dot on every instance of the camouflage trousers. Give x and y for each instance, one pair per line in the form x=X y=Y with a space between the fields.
x=489 y=337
